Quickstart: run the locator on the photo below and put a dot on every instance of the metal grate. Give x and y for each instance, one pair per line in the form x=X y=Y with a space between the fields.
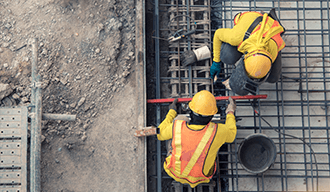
x=188 y=16
x=296 y=105
x=13 y=149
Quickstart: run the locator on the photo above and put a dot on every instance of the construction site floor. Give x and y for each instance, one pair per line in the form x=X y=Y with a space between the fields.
x=87 y=64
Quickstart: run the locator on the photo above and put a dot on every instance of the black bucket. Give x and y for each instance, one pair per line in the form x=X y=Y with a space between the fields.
x=257 y=153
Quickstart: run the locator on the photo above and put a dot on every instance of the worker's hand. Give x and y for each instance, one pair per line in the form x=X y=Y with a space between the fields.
x=192 y=56
x=173 y=105
x=188 y=58
x=231 y=106
x=215 y=69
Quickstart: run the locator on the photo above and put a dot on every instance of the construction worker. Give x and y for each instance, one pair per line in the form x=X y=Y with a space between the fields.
x=195 y=143
x=255 y=41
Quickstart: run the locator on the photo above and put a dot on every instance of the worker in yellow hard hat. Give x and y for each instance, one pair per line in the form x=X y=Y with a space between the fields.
x=195 y=142
x=255 y=42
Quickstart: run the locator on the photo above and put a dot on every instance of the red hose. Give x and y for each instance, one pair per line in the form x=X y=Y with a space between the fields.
x=181 y=100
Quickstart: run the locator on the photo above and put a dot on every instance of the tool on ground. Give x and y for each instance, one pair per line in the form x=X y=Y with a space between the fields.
x=177 y=35
x=219 y=98
x=146 y=131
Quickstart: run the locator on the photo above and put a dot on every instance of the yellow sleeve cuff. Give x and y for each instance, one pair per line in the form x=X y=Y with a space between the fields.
x=165 y=128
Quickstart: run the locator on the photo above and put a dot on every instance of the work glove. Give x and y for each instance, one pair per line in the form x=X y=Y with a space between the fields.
x=215 y=69
x=231 y=106
x=173 y=105
x=226 y=83
x=191 y=56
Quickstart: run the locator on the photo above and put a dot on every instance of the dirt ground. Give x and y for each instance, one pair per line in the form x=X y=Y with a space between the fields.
x=87 y=67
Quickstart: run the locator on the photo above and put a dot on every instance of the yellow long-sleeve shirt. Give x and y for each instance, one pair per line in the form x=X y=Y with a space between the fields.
x=234 y=36
x=226 y=133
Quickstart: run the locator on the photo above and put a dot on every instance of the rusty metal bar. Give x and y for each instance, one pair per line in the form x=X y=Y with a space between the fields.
x=35 y=147
x=63 y=117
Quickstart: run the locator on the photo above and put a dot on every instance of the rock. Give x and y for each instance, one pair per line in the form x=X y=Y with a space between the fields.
x=131 y=54
x=63 y=81
x=42 y=138
x=100 y=27
x=97 y=50
x=73 y=105
x=85 y=127
x=125 y=73
x=5 y=45
x=115 y=24
x=24 y=99
x=5 y=90
x=81 y=101
x=7 y=102
x=84 y=137
x=7 y=25
x=15 y=96
x=26 y=59
x=94 y=114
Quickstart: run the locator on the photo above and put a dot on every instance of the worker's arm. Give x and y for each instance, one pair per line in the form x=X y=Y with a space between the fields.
x=232 y=36
x=165 y=132
x=231 y=127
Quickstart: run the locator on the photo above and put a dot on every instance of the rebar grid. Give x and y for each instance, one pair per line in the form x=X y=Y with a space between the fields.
x=296 y=105
x=189 y=15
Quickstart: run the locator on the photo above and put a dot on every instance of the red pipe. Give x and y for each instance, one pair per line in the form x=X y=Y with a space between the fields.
x=181 y=100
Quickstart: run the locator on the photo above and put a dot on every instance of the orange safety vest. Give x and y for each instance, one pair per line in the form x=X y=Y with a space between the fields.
x=277 y=38
x=189 y=152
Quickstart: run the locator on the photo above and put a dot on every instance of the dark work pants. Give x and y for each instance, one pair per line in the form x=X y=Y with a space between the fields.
x=230 y=55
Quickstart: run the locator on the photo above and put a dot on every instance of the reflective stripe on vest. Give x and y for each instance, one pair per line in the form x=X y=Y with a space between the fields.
x=199 y=150
x=178 y=147
x=184 y=172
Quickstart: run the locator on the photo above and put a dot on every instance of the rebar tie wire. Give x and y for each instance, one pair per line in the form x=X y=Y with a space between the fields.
x=292 y=136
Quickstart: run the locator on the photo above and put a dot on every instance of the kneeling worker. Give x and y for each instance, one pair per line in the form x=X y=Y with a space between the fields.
x=256 y=41
x=195 y=144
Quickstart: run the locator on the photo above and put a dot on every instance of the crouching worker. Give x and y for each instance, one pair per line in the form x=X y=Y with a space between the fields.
x=195 y=144
x=256 y=43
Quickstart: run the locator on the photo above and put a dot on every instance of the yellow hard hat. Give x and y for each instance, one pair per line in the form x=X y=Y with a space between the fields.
x=204 y=103
x=257 y=63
